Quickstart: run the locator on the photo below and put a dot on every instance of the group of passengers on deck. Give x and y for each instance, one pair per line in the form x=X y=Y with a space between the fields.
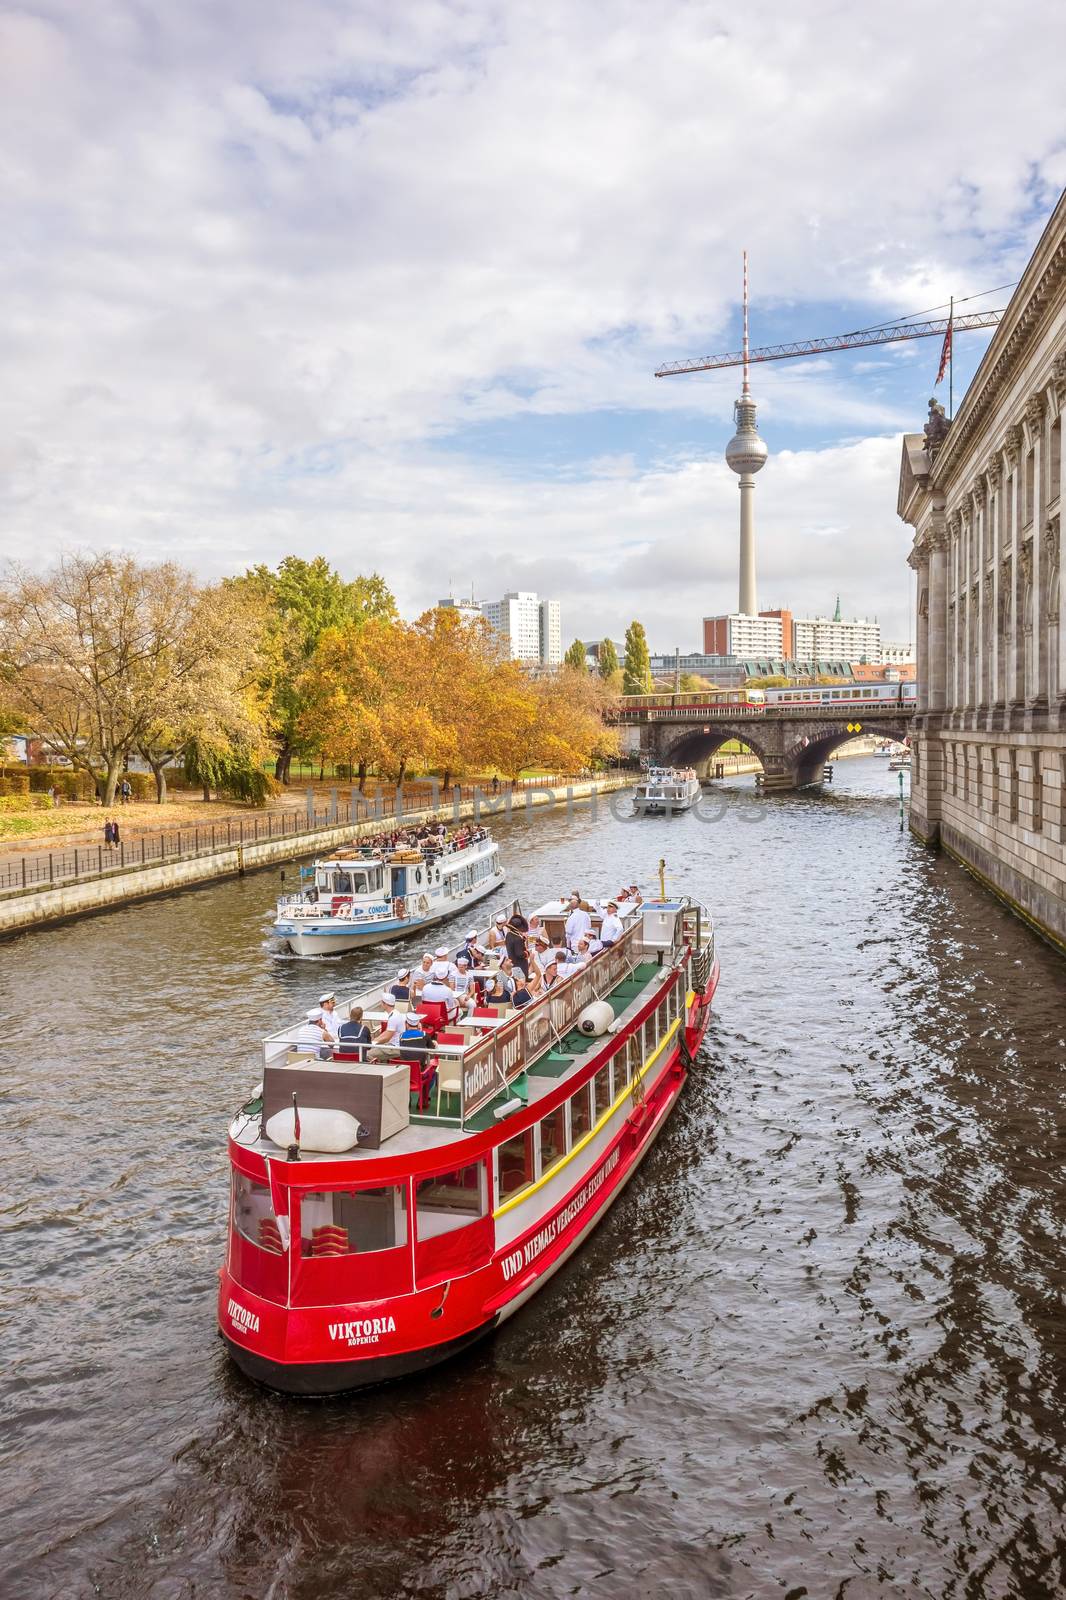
x=518 y=964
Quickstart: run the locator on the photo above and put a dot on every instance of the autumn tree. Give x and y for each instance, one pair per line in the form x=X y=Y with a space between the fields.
x=88 y=653
x=211 y=718
x=304 y=599
x=607 y=660
x=576 y=658
x=636 y=669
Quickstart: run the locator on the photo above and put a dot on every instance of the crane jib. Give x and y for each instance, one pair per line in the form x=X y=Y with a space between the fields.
x=890 y=333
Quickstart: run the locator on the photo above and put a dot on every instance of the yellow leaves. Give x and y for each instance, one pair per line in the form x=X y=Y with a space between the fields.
x=435 y=694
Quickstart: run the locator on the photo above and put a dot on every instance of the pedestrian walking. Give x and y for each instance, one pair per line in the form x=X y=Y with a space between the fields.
x=108 y=834
x=495 y=783
x=114 y=835
x=127 y=791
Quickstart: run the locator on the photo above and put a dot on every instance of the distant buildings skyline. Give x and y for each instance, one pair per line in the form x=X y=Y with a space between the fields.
x=530 y=628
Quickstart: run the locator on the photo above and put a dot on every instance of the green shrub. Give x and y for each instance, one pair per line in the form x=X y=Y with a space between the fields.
x=25 y=802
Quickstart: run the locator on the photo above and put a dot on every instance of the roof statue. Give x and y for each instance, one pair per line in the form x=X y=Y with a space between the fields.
x=936 y=429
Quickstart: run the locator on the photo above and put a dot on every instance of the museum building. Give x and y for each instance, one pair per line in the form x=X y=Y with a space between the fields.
x=983 y=496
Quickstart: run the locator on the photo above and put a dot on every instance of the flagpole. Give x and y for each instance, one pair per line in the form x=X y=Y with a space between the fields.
x=951 y=359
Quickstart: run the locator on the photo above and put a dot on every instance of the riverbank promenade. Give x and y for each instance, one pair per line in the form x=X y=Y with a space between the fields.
x=39 y=887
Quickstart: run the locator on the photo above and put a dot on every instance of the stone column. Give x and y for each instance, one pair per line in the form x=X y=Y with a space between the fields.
x=981 y=674
x=994 y=644
x=938 y=616
x=1015 y=688
x=918 y=561
x=1036 y=688
x=953 y=676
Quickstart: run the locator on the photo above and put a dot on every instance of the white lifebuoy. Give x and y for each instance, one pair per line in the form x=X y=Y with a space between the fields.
x=418 y=874
x=423 y=904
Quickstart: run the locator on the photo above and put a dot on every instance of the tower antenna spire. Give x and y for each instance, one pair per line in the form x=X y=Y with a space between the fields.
x=745 y=389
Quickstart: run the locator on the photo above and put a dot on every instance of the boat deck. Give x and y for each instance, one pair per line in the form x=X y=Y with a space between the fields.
x=562 y=1059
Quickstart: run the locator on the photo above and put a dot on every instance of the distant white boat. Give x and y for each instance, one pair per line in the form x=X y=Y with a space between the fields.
x=366 y=897
x=665 y=790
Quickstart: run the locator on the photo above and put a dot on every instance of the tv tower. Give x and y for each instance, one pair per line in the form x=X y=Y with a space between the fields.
x=746 y=453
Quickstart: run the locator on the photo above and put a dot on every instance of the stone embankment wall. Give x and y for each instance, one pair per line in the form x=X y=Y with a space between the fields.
x=37 y=907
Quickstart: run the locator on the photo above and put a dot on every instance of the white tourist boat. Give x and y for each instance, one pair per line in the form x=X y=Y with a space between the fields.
x=666 y=789
x=363 y=897
x=900 y=762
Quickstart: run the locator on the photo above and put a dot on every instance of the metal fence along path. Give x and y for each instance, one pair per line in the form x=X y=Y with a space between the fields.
x=155 y=846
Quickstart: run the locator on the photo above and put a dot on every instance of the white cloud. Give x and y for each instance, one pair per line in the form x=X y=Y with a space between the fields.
x=261 y=258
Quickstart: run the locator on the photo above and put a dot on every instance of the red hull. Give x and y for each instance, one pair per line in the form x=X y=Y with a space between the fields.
x=329 y=1349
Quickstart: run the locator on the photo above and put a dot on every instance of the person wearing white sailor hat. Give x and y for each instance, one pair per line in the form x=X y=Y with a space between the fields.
x=611 y=928
x=472 y=949
x=331 y=1023
x=311 y=1036
x=443 y=965
x=387 y=1045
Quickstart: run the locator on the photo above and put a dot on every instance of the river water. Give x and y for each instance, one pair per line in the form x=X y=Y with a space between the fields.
x=816 y=1349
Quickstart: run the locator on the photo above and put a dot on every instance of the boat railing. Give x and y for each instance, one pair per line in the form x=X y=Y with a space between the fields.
x=491 y=1061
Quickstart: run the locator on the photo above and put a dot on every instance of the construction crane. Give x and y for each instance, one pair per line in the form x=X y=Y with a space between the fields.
x=888 y=333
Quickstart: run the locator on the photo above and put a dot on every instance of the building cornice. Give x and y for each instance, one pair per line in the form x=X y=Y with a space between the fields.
x=1043 y=281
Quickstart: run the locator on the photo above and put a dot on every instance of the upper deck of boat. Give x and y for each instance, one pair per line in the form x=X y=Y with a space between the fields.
x=643 y=964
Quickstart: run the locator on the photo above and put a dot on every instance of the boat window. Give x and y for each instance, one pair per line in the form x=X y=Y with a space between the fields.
x=449 y=1200
x=253 y=1214
x=580 y=1115
x=601 y=1090
x=650 y=1036
x=348 y=1222
x=516 y=1163
x=552 y=1137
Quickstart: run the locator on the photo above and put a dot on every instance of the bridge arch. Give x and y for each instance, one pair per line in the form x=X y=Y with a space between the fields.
x=808 y=755
x=696 y=748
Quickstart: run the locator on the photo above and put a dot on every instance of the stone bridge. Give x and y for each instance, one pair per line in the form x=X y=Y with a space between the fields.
x=792 y=742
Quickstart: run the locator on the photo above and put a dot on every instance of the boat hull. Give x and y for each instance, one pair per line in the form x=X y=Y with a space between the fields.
x=335 y=935
x=294 y=1350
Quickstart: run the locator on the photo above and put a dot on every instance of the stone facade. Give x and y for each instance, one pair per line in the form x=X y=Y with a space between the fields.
x=989 y=774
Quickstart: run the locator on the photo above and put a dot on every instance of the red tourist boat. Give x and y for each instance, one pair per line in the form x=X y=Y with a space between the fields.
x=423 y=1207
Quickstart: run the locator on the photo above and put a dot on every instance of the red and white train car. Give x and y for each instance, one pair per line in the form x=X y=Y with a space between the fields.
x=349 y=1267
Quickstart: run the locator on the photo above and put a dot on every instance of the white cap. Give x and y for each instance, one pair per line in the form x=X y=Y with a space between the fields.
x=315 y=1014
x=441 y=950
x=501 y=917
x=330 y=995
x=404 y=972
x=471 y=933
x=462 y=961
x=388 y=1000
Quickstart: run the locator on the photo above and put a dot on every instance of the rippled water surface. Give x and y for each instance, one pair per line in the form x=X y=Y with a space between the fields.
x=816 y=1349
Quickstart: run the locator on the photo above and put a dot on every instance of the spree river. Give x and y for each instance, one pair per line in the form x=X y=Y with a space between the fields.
x=817 y=1348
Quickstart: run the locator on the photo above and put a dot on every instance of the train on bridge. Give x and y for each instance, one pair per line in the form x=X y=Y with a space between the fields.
x=756 y=702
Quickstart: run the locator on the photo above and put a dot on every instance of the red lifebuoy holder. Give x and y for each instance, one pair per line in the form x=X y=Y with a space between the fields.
x=399 y=906
x=338 y=901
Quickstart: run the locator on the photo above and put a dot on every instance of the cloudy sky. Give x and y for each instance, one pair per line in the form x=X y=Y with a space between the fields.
x=389 y=282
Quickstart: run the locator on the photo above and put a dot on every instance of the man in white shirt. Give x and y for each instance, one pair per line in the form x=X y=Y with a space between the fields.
x=331 y=1023
x=387 y=1047
x=438 y=993
x=462 y=979
x=611 y=929
x=578 y=921
x=421 y=977
x=311 y=1036
x=443 y=965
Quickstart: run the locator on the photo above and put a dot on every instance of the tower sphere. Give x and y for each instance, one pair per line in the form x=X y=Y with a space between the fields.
x=746 y=452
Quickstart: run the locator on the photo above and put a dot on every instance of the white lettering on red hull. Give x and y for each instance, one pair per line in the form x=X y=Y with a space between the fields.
x=540 y=1241
x=367 y=1331
x=242 y=1318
